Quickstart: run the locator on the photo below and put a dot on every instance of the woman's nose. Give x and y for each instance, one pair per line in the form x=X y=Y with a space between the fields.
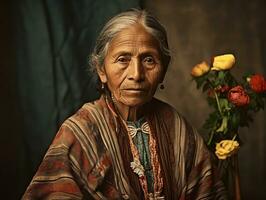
x=135 y=70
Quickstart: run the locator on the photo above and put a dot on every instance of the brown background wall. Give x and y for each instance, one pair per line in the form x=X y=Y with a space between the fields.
x=198 y=30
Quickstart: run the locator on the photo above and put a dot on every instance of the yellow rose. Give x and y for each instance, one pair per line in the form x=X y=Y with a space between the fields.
x=226 y=148
x=223 y=62
x=200 y=69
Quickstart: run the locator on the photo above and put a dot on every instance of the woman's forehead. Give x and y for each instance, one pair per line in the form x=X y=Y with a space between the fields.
x=134 y=37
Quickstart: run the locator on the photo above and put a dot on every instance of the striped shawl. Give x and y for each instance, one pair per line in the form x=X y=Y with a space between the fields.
x=90 y=157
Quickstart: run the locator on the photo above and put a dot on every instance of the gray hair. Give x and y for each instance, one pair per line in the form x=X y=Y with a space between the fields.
x=122 y=21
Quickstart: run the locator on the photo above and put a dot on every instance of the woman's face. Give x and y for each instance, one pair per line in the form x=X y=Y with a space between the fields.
x=132 y=67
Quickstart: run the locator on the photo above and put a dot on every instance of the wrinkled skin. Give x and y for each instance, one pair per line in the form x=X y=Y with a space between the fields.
x=132 y=70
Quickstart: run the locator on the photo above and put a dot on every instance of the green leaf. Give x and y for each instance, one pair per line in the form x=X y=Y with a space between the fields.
x=235 y=120
x=211 y=123
x=230 y=80
x=224 y=104
x=200 y=80
x=221 y=75
x=223 y=127
x=217 y=82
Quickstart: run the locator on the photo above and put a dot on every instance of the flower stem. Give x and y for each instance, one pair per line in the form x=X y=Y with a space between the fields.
x=216 y=97
x=218 y=103
x=219 y=108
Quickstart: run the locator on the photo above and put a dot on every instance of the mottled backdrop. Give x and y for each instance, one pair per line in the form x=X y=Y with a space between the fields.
x=198 y=30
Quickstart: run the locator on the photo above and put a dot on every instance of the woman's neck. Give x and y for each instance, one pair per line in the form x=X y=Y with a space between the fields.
x=128 y=113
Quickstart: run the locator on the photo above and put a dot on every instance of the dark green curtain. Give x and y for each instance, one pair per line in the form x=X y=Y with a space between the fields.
x=52 y=41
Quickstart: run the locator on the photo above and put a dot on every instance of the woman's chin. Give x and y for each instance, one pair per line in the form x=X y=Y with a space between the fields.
x=134 y=101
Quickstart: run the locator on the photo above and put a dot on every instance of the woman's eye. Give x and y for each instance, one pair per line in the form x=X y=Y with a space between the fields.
x=123 y=59
x=149 y=60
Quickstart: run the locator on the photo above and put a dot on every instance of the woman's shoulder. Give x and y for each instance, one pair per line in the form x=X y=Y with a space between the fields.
x=81 y=124
x=85 y=112
x=79 y=134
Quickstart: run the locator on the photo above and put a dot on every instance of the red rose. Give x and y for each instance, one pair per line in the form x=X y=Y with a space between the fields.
x=257 y=83
x=210 y=93
x=238 y=96
x=223 y=89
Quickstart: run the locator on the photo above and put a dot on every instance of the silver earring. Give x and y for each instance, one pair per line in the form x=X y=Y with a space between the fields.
x=102 y=86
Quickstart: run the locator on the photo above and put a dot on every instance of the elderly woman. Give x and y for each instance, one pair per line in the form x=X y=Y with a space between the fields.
x=127 y=144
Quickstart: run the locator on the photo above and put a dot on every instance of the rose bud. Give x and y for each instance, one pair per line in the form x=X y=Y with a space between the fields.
x=210 y=93
x=223 y=62
x=257 y=83
x=222 y=89
x=238 y=96
x=200 y=69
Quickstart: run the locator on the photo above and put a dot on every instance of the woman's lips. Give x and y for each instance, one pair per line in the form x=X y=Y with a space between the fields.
x=134 y=90
x=141 y=89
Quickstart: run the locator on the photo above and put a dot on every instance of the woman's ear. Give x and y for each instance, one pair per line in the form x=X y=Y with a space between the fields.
x=162 y=76
x=102 y=74
x=165 y=64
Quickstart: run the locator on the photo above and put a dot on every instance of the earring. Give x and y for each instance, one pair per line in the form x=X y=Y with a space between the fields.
x=161 y=86
x=102 y=86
